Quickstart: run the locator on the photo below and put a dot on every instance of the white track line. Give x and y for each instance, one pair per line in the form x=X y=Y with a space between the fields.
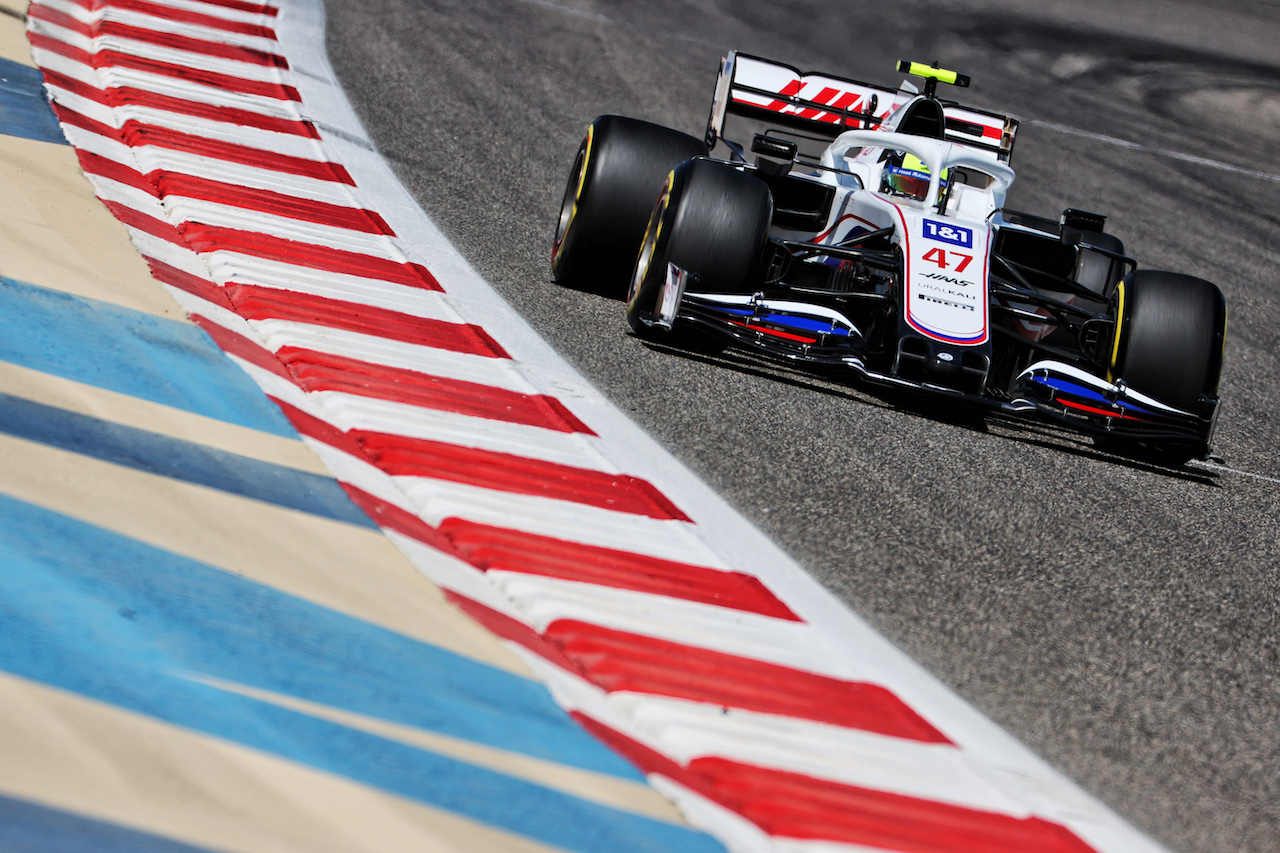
x=1213 y=466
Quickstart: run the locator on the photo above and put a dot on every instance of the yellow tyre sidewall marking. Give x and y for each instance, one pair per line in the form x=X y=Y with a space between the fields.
x=1115 y=340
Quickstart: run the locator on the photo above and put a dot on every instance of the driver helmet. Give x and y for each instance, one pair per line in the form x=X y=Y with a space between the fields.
x=906 y=174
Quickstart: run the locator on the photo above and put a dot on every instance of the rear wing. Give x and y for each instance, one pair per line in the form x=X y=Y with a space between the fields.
x=827 y=106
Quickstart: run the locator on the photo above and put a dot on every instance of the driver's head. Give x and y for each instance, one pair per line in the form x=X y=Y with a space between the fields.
x=905 y=174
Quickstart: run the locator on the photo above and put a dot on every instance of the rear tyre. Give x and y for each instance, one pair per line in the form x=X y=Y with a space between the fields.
x=710 y=220
x=616 y=175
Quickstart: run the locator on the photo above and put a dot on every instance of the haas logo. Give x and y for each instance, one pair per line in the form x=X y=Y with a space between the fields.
x=948 y=279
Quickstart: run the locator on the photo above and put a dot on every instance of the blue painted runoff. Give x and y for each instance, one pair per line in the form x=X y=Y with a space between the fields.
x=24 y=110
x=181 y=460
x=87 y=610
x=131 y=352
x=26 y=827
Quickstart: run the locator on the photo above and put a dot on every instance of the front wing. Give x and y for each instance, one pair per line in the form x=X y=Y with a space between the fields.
x=1052 y=390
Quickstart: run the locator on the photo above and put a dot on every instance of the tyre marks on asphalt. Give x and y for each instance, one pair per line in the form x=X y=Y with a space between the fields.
x=1159 y=152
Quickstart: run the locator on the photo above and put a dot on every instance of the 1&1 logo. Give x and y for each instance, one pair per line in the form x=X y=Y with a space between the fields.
x=946 y=233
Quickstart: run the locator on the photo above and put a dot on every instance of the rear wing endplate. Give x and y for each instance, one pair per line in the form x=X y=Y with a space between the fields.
x=827 y=106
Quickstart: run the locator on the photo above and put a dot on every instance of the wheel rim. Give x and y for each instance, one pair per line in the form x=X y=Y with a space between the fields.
x=572 y=195
x=649 y=245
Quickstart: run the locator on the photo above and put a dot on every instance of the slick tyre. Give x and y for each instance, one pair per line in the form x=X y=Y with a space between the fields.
x=616 y=175
x=1169 y=335
x=710 y=220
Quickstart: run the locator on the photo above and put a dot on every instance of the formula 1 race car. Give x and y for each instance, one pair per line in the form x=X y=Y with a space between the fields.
x=871 y=233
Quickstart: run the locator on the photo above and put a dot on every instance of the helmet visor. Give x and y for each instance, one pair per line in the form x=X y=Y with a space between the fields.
x=908 y=183
x=911 y=178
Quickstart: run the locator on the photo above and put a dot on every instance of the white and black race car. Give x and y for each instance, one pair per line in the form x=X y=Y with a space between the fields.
x=871 y=232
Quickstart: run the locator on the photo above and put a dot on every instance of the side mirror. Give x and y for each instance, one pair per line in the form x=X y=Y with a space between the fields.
x=1083 y=220
x=776 y=155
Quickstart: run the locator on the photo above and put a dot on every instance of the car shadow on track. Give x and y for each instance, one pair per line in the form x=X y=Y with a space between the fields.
x=973 y=418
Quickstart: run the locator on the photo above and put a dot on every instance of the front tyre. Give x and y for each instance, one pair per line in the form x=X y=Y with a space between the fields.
x=616 y=174
x=1169 y=334
x=1170 y=330
x=710 y=220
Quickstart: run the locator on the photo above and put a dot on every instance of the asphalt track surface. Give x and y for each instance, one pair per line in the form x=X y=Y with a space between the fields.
x=1118 y=617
